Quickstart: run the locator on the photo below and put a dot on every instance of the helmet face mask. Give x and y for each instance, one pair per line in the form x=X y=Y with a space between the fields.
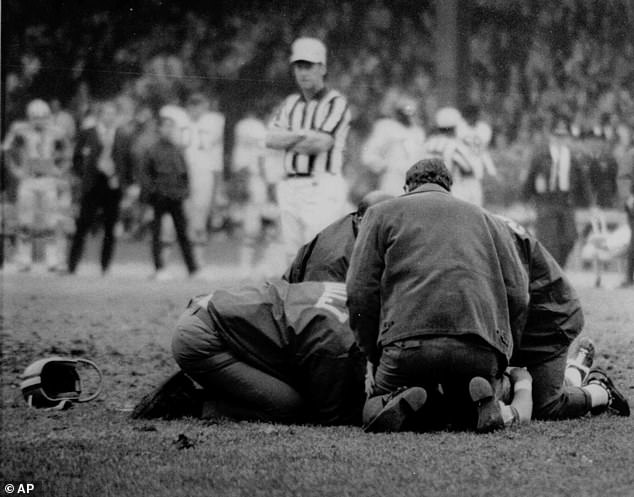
x=54 y=383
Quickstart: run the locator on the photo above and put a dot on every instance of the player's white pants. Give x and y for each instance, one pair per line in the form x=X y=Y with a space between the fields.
x=198 y=205
x=307 y=206
x=37 y=203
x=38 y=214
x=468 y=189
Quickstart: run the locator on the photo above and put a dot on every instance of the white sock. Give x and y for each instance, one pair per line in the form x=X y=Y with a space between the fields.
x=573 y=376
x=598 y=395
x=508 y=416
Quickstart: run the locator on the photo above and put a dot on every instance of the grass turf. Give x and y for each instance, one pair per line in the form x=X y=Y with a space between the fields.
x=124 y=324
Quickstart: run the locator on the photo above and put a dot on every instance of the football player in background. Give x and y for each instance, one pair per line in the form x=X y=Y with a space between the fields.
x=37 y=154
x=463 y=163
x=203 y=140
x=395 y=142
x=250 y=185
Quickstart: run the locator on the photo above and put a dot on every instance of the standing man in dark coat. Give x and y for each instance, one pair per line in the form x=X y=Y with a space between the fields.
x=101 y=162
x=437 y=295
x=555 y=179
x=165 y=186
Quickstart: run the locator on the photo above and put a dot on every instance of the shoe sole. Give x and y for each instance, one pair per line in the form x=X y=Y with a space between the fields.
x=150 y=402
x=397 y=411
x=489 y=414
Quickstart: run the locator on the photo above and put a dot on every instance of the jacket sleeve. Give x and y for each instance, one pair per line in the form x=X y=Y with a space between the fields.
x=363 y=285
x=555 y=305
x=528 y=189
x=77 y=167
x=122 y=155
x=146 y=177
x=296 y=271
x=516 y=280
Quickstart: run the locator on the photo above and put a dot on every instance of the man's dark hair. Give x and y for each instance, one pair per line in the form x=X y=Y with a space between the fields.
x=431 y=170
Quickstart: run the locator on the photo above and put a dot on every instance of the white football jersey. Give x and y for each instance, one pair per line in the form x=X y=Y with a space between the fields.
x=391 y=149
x=478 y=138
x=203 y=141
x=37 y=151
x=249 y=148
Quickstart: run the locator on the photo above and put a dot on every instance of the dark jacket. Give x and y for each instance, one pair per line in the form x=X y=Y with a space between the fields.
x=428 y=264
x=555 y=317
x=299 y=334
x=603 y=172
x=580 y=192
x=164 y=173
x=88 y=149
x=327 y=256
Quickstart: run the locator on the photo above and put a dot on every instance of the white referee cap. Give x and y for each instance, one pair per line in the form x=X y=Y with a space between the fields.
x=308 y=49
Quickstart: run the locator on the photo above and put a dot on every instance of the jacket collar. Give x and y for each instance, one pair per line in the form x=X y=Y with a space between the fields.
x=428 y=187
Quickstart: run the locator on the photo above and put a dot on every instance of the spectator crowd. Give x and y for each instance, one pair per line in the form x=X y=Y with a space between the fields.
x=573 y=74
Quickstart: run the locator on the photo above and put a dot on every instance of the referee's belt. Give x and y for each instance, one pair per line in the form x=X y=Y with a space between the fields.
x=299 y=175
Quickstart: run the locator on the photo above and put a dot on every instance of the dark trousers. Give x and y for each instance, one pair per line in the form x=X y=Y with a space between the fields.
x=237 y=389
x=450 y=362
x=551 y=398
x=162 y=206
x=629 y=257
x=556 y=229
x=100 y=198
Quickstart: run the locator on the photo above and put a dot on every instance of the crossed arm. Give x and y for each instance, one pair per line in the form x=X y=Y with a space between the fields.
x=304 y=141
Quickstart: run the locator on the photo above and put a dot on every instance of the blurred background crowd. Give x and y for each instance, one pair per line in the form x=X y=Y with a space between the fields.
x=531 y=61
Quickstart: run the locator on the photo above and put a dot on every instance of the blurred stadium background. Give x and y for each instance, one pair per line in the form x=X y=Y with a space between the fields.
x=520 y=61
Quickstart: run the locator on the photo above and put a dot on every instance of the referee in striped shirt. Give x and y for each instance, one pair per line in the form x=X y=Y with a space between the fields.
x=310 y=127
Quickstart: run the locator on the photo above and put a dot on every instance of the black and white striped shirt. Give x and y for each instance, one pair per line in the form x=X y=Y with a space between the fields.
x=327 y=112
x=458 y=157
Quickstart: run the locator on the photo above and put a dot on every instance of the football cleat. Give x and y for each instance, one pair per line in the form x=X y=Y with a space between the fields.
x=616 y=400
x=395 y=409
x=176 y=397
x=489 y=412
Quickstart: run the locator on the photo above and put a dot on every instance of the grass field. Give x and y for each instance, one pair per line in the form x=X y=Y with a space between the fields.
x=124 y=323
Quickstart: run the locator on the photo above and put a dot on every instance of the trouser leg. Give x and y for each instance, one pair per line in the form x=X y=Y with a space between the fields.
x=87 y=214
x=244 y=391
x=553 y=400
x=159 y=210
x=547 y=231
x=111 y=216
x=629 y=267
x=567 y=233
x=180 y=225
x=445 y=363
